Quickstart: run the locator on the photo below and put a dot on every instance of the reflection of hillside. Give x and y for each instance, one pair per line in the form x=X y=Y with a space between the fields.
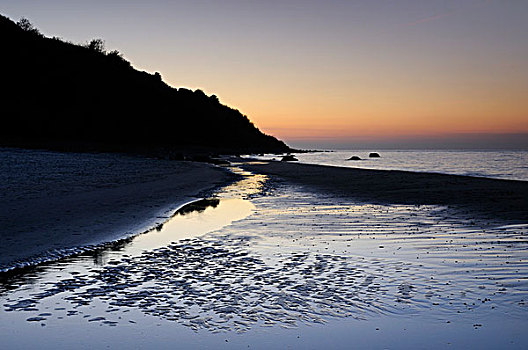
x=198 y=206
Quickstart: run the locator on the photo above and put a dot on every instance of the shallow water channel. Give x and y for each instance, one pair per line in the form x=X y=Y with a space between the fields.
x=263 y=263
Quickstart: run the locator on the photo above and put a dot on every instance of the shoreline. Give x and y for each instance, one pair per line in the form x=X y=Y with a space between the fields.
x=90 y=200
x=18 y=267
x=489 y=200
x=21 y=268
x=41 y=226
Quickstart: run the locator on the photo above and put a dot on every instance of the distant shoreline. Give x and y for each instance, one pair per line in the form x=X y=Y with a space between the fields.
x=487 y=164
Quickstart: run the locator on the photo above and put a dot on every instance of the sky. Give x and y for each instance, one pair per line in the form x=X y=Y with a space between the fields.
x=335 y=74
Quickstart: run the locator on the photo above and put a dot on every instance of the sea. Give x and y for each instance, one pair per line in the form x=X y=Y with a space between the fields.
x=498 y=164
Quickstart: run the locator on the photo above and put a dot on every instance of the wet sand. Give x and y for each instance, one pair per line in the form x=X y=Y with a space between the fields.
x=492 y=200
x=53 y=202
x=282 y=264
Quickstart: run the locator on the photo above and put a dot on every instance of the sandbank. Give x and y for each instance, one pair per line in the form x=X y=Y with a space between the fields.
x=490 y=200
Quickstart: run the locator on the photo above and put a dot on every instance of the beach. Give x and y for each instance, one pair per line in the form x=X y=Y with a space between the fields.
x=282 y=255
x=54 y=203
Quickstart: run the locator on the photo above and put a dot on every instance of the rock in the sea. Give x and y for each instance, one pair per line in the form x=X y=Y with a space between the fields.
x=374 y=155
x=289 y=158
x=354 y=158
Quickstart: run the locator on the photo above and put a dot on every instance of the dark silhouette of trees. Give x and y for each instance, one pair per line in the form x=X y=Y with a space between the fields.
x=117 y=57
x=97 y=45
x=56 y=94
x=26 y=25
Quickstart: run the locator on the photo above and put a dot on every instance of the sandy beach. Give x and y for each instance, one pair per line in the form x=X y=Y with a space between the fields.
x=53 y=202
x=304 y=256
x=65 y=201
x=492 y=200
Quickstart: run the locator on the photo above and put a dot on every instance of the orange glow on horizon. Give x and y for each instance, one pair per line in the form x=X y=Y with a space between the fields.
x=394 y=109
x=342 y=134
x=393 y=126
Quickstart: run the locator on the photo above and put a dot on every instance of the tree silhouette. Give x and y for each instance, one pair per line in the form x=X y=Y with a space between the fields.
x=97 y=45
x=26 y=25
x=116 y=56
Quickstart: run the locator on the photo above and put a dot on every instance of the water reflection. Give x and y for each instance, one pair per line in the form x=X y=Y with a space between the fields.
x=198 y=206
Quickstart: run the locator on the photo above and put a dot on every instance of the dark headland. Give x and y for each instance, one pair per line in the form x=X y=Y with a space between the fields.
x=64 y=96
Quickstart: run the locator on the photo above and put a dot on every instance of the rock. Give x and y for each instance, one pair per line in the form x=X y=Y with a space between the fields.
x=374 y=155
x=354 y=158
x=289 y=158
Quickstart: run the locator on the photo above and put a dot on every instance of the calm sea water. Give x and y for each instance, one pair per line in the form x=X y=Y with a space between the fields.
x=511 y=165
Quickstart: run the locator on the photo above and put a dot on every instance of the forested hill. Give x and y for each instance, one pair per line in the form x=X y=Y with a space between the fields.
x=56 y=94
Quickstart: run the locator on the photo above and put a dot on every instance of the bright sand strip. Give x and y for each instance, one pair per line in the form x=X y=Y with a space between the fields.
x=491 y=200
x=60 y=201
